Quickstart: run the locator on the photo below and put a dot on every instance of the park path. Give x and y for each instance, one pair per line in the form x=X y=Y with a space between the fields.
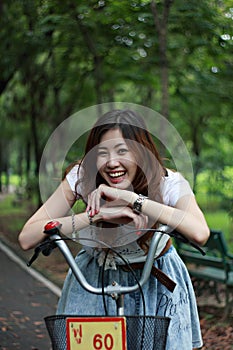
x=24 y=302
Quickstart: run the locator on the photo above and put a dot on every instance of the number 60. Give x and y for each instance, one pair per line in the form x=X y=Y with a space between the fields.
x=105 y=343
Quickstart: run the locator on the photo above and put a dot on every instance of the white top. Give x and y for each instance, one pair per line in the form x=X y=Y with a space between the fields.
x=173 y=187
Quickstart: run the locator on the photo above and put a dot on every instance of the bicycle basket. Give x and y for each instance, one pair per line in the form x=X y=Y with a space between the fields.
x=143 y=332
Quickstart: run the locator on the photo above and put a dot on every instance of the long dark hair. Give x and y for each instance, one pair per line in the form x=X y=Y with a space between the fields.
x=150 y=168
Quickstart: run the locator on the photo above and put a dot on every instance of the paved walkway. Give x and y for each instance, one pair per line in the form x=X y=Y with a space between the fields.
x=24 y=302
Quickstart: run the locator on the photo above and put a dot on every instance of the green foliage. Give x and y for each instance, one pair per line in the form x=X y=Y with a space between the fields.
x=61 y=56
x=215 y=189
x=220 y=220
x=8 y=206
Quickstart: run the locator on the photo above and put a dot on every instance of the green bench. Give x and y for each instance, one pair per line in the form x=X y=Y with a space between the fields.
x=207 y=271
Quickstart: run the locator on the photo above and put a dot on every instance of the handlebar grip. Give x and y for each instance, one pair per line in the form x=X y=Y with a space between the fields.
x=47 y=250
x=52 y=227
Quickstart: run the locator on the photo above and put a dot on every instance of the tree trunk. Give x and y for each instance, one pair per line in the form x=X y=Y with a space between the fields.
x=97 y=63
x=35 y=142
x=161 y=22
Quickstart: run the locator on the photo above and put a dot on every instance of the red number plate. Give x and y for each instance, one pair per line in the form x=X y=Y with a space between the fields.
x=96 y=333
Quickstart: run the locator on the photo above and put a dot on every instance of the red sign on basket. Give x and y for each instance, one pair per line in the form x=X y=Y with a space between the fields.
x=96 y=333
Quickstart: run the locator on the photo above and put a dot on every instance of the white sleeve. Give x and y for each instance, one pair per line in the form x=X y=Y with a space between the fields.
x=173 y=187
x=72 y=178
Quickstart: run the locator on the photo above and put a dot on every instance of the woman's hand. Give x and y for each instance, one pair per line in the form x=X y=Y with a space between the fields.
x=121 y=215
x=116 y=197
x=116 y=208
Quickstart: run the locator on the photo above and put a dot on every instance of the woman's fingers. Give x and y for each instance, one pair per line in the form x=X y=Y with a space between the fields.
x=115 y=208
x=121 y=213
x=143 y=224
x=103 y=191
x=93 y=204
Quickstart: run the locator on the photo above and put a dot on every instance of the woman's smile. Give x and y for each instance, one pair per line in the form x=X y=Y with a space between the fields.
x=115 y=161
x=116 y=177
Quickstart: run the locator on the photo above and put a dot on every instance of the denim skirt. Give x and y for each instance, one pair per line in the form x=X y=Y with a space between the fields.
x=180 y=305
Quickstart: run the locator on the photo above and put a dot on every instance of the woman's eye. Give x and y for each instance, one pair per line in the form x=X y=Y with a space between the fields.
x=122 y=151
x=101 y=153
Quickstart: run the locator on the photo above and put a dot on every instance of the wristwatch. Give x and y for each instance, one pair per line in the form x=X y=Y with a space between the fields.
x=137 y=206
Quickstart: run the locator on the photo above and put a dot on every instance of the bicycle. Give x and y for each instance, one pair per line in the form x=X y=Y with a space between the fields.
x=120 y=332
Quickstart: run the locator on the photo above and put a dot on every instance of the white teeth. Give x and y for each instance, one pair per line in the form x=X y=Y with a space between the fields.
x=120 y=173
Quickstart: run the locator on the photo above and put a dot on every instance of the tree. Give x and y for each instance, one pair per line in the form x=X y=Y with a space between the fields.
x=60 y=57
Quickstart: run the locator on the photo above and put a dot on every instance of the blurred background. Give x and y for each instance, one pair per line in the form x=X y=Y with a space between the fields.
x=58 y=57
x=174 y=57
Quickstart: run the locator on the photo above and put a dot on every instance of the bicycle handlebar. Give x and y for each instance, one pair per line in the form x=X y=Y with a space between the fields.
x=115 y=288
x=55 y=240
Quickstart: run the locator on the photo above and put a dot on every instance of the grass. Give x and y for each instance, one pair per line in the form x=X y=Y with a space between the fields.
x=217 y=217
x=13 y=214
x=10 y=205
x=220 y=220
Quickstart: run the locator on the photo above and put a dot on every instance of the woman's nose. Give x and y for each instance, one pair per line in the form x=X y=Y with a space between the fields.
x=112 y=162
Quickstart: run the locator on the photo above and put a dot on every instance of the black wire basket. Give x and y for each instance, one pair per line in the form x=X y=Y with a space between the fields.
x=142 y=332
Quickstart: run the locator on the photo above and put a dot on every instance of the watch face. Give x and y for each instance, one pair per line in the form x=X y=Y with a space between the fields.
x=137 y=206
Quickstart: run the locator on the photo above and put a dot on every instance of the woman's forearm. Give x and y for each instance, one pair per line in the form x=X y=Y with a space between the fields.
x=194 y=228
x=189 y=221
x=186 y=217
x=33 y=231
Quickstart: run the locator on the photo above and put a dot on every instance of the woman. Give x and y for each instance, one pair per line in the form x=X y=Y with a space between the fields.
x=123 y=183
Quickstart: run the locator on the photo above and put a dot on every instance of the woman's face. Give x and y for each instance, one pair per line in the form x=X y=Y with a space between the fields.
x=115 y=161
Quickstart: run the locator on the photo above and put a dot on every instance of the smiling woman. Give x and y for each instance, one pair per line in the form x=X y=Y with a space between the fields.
x=136 y=147
x=116 y=163
x=124 y=185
